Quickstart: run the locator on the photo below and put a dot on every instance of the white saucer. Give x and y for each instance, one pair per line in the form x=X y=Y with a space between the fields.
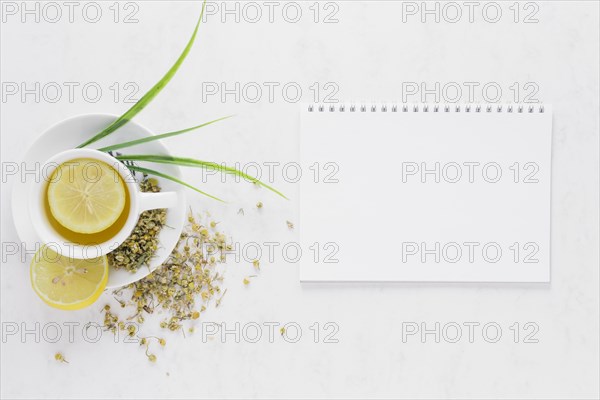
x=67 y=135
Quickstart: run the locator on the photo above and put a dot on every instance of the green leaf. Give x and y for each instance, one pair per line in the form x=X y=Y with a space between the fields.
x=171 y=178
x=151 y=94
x=157 y=137
x=190 y=162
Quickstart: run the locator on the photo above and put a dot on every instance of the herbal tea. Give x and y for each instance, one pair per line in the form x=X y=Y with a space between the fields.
x=87 y=201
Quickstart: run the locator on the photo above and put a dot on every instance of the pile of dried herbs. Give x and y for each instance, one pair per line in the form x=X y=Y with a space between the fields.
x=180 y=289
x=140 y=246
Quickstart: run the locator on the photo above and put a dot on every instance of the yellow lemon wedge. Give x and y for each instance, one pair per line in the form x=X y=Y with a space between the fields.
x=67 y=283
x=86 y=195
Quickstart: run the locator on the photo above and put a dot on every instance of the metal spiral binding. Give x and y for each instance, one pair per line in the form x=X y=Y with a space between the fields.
x=516 y=108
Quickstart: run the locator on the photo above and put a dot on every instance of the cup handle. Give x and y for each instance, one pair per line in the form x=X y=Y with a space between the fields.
x=153 y=201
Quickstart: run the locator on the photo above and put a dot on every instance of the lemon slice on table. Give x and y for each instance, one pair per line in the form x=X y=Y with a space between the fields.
x=68 y=283
x=86 y=195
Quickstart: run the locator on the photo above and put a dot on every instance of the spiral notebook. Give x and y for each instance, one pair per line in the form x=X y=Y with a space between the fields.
x=429 y=193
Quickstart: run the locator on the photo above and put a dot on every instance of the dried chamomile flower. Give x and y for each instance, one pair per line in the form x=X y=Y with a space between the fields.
x=60 y=358
x=111 y=321
x=290 y=225
x=282 y=331
x=180 y=289
x=256 y=264
x=186 y=282
x=259 y=205
x=139 y=248
x=131 y=330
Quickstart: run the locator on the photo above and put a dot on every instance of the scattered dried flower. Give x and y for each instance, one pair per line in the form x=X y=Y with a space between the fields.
x=60 y=358
x=247 y=279
x=186 y=282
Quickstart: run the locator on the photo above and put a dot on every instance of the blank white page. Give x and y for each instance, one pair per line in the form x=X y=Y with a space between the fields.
x=422 y=193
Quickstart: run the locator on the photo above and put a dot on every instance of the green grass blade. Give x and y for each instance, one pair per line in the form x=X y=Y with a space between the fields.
x=171 y=178
x=158 y=137
x=151 y=94
x=190 y=162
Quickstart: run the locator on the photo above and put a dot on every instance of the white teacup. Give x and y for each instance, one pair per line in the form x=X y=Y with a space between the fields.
x=138 y=202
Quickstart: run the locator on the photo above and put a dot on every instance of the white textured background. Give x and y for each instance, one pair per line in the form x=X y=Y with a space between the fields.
x=368 y=53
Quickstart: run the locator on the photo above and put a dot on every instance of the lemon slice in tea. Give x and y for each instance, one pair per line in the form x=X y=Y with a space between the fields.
x=67 y=283
x=86 y=195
